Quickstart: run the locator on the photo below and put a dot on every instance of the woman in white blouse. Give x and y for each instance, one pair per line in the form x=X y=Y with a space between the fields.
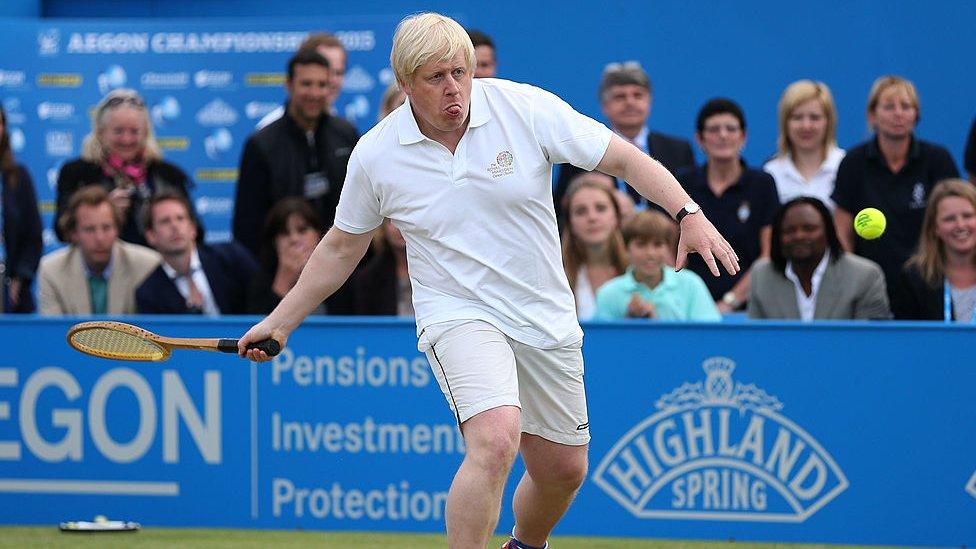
x=807 y=158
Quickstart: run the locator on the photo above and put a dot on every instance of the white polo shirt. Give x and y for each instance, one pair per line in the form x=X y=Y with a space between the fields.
x=790 y=184
x=479 y=224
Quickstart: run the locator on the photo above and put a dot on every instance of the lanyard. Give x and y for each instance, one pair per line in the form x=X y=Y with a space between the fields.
x=947 y=304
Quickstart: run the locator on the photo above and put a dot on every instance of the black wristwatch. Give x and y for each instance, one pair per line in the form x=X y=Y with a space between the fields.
x=687 y=209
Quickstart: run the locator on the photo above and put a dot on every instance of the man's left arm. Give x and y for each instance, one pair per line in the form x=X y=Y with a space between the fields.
x=655 y=183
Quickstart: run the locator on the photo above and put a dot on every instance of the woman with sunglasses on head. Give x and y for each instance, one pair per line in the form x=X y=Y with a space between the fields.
x=122 y=155
x=20 y=247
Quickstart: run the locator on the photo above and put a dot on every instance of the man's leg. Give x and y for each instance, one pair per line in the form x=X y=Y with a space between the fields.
x=553 y=474
x=491 y=439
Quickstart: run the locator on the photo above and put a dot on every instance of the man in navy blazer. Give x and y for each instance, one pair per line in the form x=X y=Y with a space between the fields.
x=625 y=97
x=193 y=278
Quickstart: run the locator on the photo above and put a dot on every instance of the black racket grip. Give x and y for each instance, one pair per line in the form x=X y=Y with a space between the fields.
x=271 y=347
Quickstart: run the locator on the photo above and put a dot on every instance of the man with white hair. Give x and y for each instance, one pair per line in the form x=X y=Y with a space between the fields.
x=463 y=170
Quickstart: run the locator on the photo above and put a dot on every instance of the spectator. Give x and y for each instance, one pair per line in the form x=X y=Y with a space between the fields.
x=808 y=156
x=893 y=172
x=302 y=154
x=486 y=62
x=625 y=95
x=20 y=245
x=651 y=288
x=740 y=200
x=291 y=233
x=593 y=249
x=383 y=284
x=329 y=47
x=121 y=155
x=809 y=276
x=970 y=155
x=625 y=204
x=392 y=98
x=97 y=273
x=939 y=280
x=193 y=278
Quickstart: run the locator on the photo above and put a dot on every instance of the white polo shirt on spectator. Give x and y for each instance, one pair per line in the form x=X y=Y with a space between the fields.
x=790 y=184
x=479 y=224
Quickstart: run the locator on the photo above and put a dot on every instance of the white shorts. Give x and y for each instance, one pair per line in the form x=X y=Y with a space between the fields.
x=479 y=368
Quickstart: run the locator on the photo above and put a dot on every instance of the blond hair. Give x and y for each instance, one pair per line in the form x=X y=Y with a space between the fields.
x=882 y=85
x=92 y=148
x=796 y=94
x=930 y=258
x=428 y=37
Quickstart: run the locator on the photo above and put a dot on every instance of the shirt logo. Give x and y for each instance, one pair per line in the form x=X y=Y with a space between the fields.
x=744 y=212
x=918 y=196
x=720 y=449
x=503 y=165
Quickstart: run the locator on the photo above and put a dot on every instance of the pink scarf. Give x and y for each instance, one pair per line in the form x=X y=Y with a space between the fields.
x=125 y=173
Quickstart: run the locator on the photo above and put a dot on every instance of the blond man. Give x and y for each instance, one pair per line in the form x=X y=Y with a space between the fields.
x=463 y=170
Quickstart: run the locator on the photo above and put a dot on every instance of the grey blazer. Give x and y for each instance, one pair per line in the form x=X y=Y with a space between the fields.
x=64 y=281
x=852 y=288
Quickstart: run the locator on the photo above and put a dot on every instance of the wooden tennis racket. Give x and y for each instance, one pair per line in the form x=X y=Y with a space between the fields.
x=121 y=341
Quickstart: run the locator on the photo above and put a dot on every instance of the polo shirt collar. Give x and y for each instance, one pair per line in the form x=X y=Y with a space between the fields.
x=408 y=131
x=874 y=150
x=667 y=280
x=737 y=183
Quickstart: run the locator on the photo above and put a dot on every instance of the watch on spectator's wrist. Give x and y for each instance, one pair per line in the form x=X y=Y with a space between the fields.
x=688 y=209
x=730 y=299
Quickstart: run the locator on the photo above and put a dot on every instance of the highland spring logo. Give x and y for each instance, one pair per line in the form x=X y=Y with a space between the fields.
x=719 y=450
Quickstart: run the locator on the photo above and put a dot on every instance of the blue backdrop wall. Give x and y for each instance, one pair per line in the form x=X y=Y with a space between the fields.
x=209 y=77
x=693 y=50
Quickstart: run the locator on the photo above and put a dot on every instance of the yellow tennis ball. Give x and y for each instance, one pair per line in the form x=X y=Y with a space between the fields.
x=870 y=223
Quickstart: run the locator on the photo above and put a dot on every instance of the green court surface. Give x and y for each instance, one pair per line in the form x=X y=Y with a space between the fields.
x=24 y=537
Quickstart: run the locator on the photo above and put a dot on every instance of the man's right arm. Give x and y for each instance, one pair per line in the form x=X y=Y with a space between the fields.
x=327 y=269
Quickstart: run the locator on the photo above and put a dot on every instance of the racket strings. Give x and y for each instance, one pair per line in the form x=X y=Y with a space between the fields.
x=110 y=343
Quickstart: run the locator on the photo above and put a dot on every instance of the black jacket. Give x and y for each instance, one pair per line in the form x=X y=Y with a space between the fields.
x=159 y=174
x=913 y=299
x=228 y=267
x=273 y=166
x=21 y=236
x=673 y=152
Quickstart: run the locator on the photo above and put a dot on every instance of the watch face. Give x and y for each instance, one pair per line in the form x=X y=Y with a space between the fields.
x=691 y=207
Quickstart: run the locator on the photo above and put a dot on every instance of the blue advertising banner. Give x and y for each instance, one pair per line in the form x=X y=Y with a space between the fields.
x=207 y=83
x=837 y=433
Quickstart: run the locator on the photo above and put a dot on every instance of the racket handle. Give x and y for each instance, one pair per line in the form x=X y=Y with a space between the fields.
x=271 y=347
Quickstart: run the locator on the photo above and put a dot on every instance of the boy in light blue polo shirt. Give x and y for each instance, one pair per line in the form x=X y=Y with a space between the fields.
x=651 y=288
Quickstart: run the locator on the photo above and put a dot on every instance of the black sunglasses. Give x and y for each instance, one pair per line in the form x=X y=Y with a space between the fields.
x=132 y=100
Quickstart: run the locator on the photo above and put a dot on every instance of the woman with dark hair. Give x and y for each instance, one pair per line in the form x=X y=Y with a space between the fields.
x=20 y=249
x=939 y=281
x=382 y=285
x=121 y=154
x=593 y=248
x=740 y=200
x=291 y=232
x=808 y=276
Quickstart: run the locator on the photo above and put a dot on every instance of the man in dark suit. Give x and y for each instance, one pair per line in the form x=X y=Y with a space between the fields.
x=193 y=278
x=625 y=96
